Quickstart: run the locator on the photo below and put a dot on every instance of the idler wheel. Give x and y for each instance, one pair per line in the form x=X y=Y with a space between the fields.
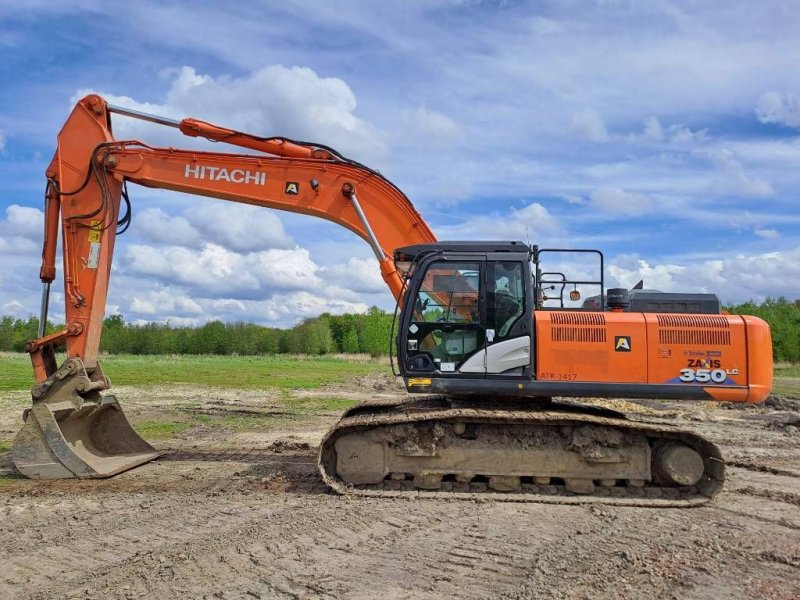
x=679 y=464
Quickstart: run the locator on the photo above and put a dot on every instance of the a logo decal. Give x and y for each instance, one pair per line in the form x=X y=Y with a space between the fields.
x=292 y=188
x=622 y=343
x=207 y=172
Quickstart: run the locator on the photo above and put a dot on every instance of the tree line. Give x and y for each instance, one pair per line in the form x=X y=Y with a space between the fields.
x=351 y=333
x=783 y=317
x=327 y=334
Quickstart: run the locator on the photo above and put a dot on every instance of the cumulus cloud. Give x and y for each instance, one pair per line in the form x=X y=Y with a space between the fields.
x=626 y=271
x=775 y=107
x=531 y=221
x=15 y=307
x=616 y=201
x=681 y=134
x=588 y=124
x=653 y=130
x=163 y=301
x=25 y=221
x=357 y=274
x=735 y=277
x=239 y=227
x=156 y=225
x=275 y=100
x=733 y=178
x=221 y=272
x=275 y=287
x=21 y=231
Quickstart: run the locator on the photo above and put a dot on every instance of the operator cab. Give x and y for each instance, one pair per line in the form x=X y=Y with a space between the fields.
x=468 y=309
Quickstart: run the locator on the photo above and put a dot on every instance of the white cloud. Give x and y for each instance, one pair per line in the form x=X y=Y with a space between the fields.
x=156 y=225
x=616 y=201
x=543 y=26
x=627 y=271
x=589 y=125
x=21 y=231
x=358 y=274
x=163 y=301
x=2 y=140
x=653 y=130
x=299 y=305
x=275 y=100
x=25 y=221
x=434 y=125
x=733 y=277
x=733 y=179
x=774 y=107
x=14 y=307
x=572 y=199
x=767 y=234
x=681 y=134
x=239 y=227
x=221 y=272
x=533 y=221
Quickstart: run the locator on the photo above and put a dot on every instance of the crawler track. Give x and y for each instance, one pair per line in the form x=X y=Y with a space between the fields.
x=437 y=447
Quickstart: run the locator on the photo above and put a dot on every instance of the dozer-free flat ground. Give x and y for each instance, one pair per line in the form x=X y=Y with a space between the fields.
x=236 y=509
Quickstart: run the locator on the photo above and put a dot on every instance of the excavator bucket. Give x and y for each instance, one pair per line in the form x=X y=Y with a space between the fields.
x=94 y=441
x=74 y=436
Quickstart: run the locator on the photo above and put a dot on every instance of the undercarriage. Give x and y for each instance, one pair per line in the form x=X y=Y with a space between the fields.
x=499 y=449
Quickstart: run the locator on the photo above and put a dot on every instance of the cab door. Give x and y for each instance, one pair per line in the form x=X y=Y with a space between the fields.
x=446 y=326
x=507 y=322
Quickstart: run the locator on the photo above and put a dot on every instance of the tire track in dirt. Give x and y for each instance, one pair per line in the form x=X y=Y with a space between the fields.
x=226 y=540
x=214 y=519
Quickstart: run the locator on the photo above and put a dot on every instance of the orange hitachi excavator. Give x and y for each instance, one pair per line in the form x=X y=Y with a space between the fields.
x=474 y=337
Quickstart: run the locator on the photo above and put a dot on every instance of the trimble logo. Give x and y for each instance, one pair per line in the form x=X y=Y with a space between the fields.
x=223 y=174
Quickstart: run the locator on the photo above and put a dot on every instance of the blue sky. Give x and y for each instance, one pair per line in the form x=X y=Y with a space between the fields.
x=663 y=133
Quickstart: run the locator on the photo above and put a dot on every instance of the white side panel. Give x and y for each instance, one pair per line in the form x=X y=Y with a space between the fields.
x=475 y=363
x=500 y=357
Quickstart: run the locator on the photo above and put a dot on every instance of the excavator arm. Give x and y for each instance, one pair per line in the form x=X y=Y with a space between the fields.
x=75 y=430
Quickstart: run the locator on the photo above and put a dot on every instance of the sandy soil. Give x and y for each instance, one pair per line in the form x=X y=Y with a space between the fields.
x=227 y=514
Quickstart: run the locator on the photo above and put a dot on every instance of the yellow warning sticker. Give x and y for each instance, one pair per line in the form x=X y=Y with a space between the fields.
x=94 y=231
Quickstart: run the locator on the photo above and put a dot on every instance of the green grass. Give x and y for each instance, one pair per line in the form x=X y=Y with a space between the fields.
x=159 y=430
x=787 y=370
x=8 y=479
x=5 y=446
x=787 y=380
x=184 y=416
x=316 y=406
x=242 y=372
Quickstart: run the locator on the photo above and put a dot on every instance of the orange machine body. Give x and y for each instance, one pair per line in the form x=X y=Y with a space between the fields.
x=729 y=356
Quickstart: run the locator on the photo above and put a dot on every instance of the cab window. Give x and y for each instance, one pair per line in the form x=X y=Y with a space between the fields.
x=449 y=294
x=505 y=297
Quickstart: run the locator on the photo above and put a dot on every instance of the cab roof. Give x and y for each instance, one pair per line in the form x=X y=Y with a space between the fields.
x=411 y=253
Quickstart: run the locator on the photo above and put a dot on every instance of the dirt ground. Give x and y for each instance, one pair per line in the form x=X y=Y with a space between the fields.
x=235 y=513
